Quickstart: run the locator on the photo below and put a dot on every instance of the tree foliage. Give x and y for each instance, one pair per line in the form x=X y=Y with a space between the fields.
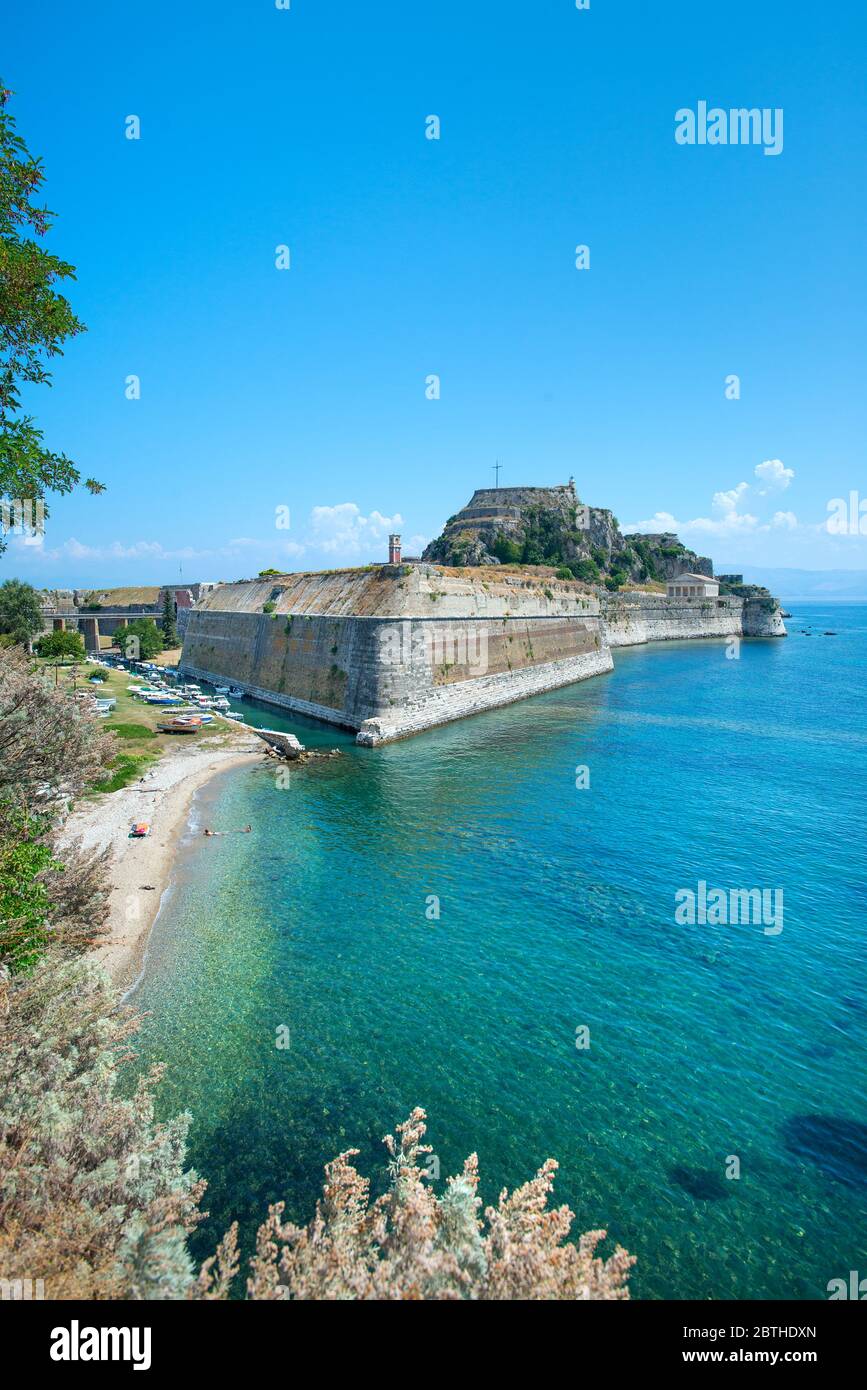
x=35 y=320
x=141 y=640
x=20 y=611
x=169 y=628
x=50 y=751
x=60 y=644
x=25 y=904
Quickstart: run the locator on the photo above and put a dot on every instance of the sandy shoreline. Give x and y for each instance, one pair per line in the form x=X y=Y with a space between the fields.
x=140 y=870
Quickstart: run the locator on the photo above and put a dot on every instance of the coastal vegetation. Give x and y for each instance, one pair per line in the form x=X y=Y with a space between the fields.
x=50 y=752
x=61 y=645
x=35 y=321
x=20 y=613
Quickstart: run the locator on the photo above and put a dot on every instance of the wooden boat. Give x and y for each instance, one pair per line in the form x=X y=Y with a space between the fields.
x=180 y=726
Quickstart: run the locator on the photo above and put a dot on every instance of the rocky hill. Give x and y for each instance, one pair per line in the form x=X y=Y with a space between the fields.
x=551 y=526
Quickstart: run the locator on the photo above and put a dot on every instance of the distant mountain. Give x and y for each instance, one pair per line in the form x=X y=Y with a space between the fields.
x=793 y=584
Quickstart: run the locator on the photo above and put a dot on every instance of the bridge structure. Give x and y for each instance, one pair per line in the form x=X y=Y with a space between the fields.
x=104 y=621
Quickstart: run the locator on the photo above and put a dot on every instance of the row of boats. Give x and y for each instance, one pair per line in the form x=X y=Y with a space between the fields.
x=189 y=698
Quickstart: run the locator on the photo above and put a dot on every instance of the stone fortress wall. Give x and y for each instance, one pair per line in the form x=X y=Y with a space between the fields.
x=391 y=650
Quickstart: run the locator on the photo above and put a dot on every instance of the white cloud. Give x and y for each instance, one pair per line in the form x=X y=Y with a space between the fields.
x=727 y=520
x=729 y=523
x=774 y=475
x=728 y=501
x=344 y=530
x=660 y=521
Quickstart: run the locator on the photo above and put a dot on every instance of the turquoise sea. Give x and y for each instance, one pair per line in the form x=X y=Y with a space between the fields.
x=556 y=911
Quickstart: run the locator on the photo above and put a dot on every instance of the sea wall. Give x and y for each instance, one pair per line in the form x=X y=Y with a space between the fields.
x=447 y=649
x=459 y=699
x=390 y=650
x=631 y=618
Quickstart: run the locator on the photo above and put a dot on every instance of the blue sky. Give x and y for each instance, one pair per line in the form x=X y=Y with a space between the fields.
x=305 y=388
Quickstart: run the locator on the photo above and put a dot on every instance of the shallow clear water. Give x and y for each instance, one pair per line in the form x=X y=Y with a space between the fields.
x=556 y=910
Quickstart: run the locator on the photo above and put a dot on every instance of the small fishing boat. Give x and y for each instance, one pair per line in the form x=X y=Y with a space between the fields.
x=180 y=726
x=221 y=689
x=230 y=714
x=236 y=693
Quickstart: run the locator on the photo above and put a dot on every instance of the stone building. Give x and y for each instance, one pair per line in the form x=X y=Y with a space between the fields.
x=692 y=586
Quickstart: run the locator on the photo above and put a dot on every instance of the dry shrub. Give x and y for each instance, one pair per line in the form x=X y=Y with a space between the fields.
x=94 y=1198
x=411 y=1244
x=50 y=751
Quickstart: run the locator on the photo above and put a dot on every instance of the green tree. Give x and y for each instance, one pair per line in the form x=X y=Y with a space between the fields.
x=507 y=551
x=25 y=904
x=587 y=570
x=34 y=322
x=20 y=611
x=60 y=644
x=170 y=631
x=141 y=640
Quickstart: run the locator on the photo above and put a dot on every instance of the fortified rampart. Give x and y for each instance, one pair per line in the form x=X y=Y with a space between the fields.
x=391 y=650
x=632 y=618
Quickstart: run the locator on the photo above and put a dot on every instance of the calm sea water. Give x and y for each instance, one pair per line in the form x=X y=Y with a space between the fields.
x=556 y=911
